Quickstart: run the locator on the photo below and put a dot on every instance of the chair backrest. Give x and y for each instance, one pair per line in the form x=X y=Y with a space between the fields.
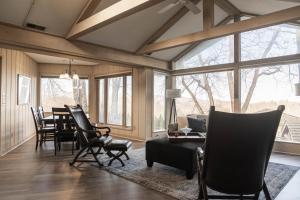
x=237 y=150
x=82 y=122
x=41 y=112
x=62 y=119
x=36 y=119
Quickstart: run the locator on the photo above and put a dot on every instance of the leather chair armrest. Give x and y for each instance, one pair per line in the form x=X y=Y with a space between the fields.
x=103 y=127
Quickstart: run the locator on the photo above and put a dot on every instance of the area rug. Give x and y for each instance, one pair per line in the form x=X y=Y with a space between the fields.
x=173 y=182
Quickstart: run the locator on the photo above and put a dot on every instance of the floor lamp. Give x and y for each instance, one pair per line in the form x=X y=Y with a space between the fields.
x=173 y=94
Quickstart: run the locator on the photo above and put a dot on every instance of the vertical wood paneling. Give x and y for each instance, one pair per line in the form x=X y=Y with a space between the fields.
x=16 y=120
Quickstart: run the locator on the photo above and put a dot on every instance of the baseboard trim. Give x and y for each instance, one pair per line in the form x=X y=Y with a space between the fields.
x=16 y=146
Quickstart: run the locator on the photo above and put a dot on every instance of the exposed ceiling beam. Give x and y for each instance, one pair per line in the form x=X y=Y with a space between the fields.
x=226 y=20
x=208 y=14
x=88 y=10
x=36 y=42
x=227 y=7
x=274 y=18
x=166 y=26
x=295 y=22
x=113 y=13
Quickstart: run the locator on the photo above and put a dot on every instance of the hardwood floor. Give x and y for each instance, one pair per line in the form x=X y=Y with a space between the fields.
x=29 y=175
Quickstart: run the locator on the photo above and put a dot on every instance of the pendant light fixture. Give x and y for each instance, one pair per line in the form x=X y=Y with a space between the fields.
x=68 y=74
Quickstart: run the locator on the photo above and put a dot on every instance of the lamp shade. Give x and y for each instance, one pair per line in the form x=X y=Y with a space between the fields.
x=297 y=89
x=173 y=93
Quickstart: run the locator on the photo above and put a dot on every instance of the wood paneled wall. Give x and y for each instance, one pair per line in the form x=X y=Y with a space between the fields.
x=16 y=120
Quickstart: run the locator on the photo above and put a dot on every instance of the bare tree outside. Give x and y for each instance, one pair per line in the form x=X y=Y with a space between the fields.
x=203 y=90
x=57 y=92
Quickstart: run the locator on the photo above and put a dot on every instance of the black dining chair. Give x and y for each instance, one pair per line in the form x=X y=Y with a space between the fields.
x=236 y=154
x=64 y=130
x=43 y=134
x=90 y=136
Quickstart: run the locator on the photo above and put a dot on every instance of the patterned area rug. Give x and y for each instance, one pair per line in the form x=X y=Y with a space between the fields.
x=173 y=182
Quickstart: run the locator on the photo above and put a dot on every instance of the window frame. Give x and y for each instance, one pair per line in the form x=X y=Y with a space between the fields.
x=124 y=99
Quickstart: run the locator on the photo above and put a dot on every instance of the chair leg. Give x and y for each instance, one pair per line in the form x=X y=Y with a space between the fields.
x=126 y=155
x=55 y=145
x=256 y=195
x=205 y=195
x=37 y=141
x=116 y=157
x=73 y=147
x=77 y=155
x=95 y=156
x=266 y=192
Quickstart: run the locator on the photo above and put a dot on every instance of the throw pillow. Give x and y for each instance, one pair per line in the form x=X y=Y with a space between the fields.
x=197 y=125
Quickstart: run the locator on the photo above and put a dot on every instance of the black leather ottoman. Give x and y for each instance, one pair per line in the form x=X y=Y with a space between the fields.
x=120 y=146
x=178 y=155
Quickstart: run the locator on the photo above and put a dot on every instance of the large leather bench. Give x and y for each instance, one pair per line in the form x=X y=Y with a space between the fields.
x=178 y=155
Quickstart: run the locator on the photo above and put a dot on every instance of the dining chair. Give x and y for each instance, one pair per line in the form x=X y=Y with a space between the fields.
x=236 y=154
x=43 y=134
x=90 y=136
x=64 y=131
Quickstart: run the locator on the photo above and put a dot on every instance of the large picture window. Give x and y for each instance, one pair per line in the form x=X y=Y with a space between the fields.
x=279 y=40
x=211 y=52
x=200 y=91
x=56 y=92
x=265 y=88
x=159 y=102
x=114 y=100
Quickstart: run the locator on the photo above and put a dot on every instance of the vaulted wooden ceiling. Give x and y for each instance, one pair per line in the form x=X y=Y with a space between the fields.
x=133 y=30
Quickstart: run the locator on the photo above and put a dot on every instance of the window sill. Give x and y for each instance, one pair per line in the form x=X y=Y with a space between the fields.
x=116 y=127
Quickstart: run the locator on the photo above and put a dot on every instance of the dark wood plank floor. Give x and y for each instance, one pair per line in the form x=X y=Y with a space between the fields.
x=29 y=175
x=26 y=174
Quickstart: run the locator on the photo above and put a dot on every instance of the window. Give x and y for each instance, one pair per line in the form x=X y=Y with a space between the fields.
x=115 y=101
x=159 y=102
x=270 y=42
x=211 y=52
x=57 y=92
x=115 y=107
x=265 y=88
x=200 y=91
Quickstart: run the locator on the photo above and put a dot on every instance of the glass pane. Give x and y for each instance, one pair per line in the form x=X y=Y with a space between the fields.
x=200 y=91
x=265 y=88
x=159 y=102
x=57 y=92
x=269 y=42
x=128 y=100
x=101 y=101
x=211 y=52
x=115 y=101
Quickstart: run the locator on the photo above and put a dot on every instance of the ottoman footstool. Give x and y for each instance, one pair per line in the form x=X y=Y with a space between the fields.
x=178 y=155
x=120 y=147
